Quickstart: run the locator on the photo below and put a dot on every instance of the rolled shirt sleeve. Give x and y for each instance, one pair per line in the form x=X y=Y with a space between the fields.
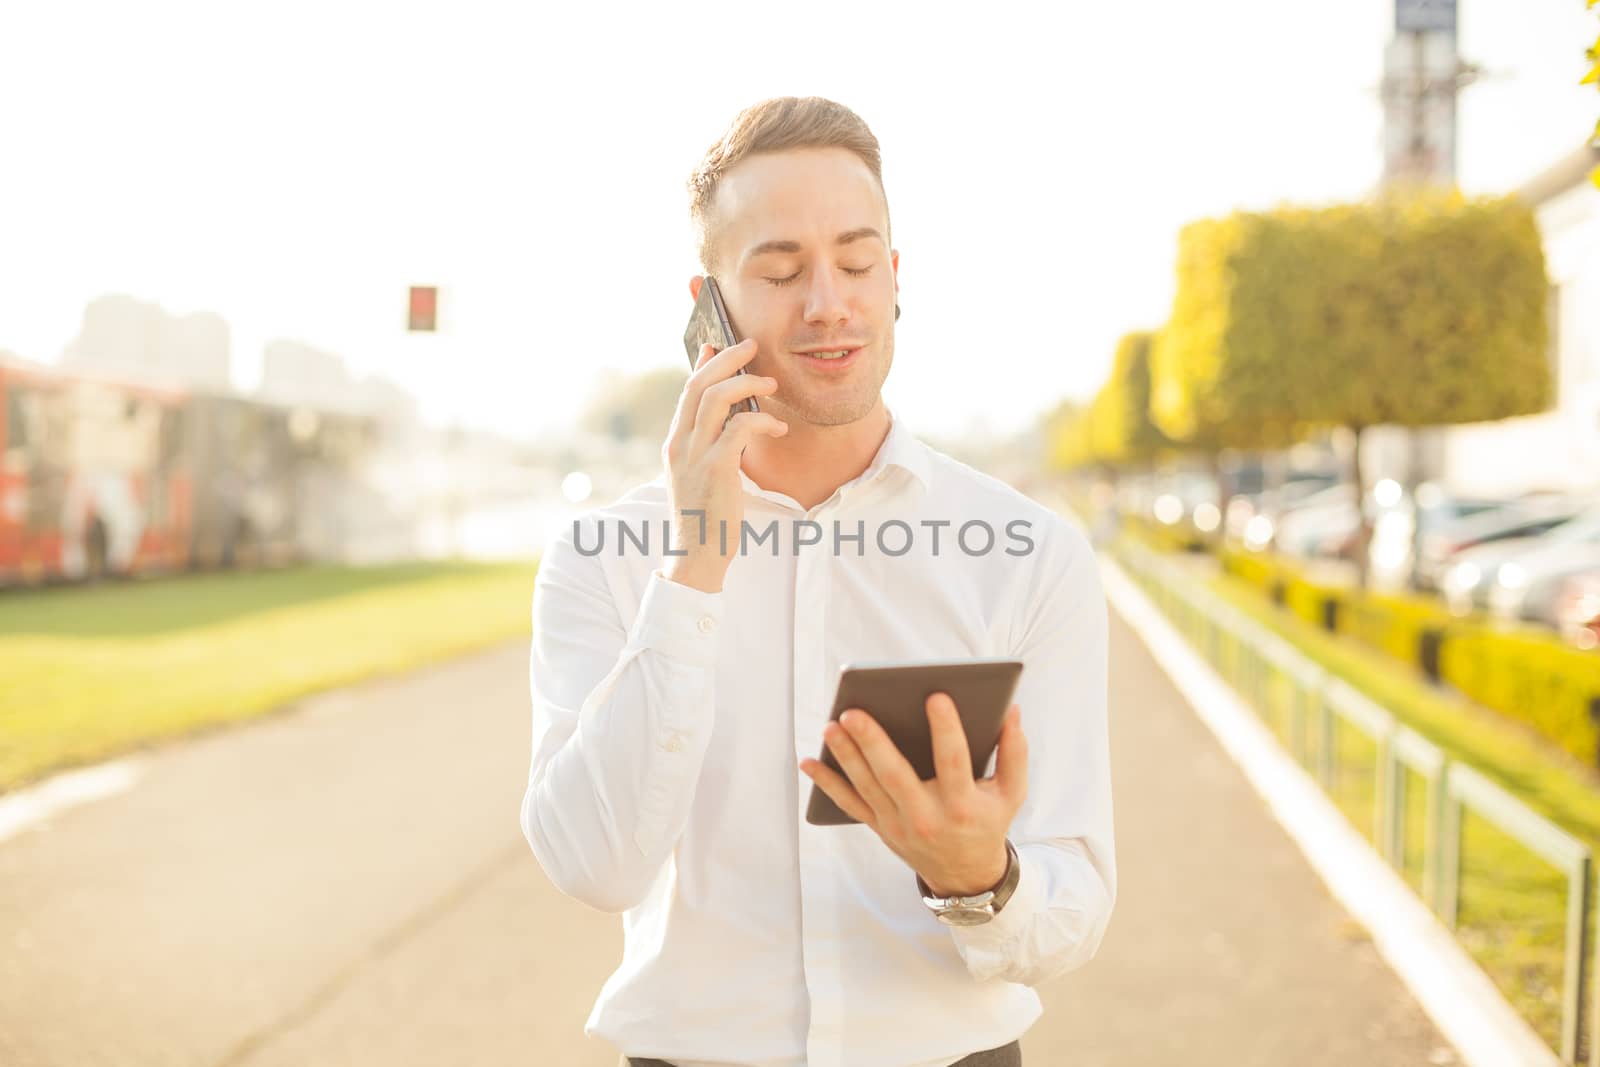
x=622 y=716
x=1057 y=917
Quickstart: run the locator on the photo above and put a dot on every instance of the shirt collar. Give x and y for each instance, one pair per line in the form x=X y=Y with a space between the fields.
x=901 y=448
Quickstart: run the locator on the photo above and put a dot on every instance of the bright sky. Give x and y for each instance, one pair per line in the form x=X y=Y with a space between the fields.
x=296 y=167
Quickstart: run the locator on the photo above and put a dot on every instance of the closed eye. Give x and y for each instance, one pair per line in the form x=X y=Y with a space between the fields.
x=863 y=272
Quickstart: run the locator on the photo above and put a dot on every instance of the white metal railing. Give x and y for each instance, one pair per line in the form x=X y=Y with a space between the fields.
x=1256 y=662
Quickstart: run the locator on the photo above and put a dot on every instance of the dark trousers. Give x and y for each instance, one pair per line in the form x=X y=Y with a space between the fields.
x=1004 y=1056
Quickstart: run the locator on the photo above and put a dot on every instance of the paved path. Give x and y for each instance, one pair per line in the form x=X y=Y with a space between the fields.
x=346 y=884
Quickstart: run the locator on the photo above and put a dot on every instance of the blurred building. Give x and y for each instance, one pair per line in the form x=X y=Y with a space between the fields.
x=137 y=340
x=297 y=374
x=1560 y=448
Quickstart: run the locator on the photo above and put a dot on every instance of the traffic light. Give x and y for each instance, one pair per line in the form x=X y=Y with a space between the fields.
x=423 y=313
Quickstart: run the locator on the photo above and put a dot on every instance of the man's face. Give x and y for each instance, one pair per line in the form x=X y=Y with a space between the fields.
x=790 y=282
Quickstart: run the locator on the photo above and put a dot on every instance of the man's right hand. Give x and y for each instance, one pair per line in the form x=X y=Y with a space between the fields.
x=702 y=454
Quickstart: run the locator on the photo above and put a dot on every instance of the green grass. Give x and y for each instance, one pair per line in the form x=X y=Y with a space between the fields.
x=1512 y=913
x=91 y=672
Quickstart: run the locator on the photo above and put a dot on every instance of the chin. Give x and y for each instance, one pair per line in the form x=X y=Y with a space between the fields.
x=834 y=411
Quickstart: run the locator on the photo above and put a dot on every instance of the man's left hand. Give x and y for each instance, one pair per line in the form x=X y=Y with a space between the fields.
x=952 y=829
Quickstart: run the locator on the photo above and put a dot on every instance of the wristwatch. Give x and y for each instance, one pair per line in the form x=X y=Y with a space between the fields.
x=979 y=909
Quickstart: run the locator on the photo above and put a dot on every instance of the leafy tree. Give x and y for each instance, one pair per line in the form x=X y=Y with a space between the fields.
x=1420 y=308
x=1217 y=367
x=1071 y=438
x=1123 y=430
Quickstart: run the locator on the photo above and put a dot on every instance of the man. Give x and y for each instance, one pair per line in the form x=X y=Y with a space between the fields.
x=681 y=687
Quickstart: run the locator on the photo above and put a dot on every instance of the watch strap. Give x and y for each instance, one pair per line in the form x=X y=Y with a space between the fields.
x=997 y=896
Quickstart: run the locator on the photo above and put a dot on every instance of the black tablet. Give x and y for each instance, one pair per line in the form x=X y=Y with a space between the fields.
x=896 y=694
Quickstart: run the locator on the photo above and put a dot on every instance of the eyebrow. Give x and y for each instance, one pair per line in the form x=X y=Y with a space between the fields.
x=794 y=246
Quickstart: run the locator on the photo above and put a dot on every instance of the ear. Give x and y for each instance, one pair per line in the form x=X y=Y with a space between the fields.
x=894 y=267
x=694 y=286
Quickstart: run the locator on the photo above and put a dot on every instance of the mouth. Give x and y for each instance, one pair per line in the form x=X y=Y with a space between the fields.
x=830 y=359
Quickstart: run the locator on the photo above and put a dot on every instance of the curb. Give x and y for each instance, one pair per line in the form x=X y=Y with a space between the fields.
x=35 y=804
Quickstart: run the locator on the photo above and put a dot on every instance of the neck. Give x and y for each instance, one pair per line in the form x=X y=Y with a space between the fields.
x=810 y=462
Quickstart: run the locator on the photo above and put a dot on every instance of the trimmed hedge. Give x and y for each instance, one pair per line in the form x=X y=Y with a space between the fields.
x=1396 y=624
x=1523 y=673
x=1530 y=676
x=1257 y=570
x=1285 y=586
x=1162 y=537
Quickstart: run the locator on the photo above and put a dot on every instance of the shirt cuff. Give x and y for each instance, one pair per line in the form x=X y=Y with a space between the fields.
x=678 y=620
x=988 y=947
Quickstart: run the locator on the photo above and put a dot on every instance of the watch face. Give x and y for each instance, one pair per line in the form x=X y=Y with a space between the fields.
x=965 y=916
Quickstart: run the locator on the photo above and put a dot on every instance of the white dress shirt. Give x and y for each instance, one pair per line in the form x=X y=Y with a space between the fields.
x=668 y=728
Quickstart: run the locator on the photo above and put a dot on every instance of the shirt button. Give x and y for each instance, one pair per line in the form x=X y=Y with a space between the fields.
x=673 y=743
x=707 y=624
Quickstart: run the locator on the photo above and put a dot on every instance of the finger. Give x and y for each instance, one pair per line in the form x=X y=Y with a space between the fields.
x=707 y=350
x=721 y=365
x=840 y=792
x=718 y=400
x=740 y=431
x=1011 y=768
x=709 y=370
x=860 y=773
x=894 y=774
x=952 y=757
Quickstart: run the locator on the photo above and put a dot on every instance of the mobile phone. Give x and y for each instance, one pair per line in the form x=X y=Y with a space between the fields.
x=896 y=694
x=708 y=322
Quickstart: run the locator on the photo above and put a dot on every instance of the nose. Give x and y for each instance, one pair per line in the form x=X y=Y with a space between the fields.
x=825 y=299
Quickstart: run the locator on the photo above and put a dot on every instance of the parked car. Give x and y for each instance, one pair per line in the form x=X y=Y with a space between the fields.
x=1252 y=517
x=1301 y=526
x=1437 y=509
x=1469 y=580
x=1526 y=589
x=1329 y=527
x=1523 y=517
x=1396 y=517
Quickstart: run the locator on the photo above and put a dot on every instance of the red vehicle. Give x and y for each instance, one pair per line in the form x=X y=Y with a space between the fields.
x=1578 y=609
x=100 y=477
x=92 y=481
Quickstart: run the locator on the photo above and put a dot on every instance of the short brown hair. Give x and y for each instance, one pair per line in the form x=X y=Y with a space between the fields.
x=774 y=125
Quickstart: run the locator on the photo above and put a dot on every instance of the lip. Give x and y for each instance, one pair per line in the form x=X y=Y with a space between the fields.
x=829 y=365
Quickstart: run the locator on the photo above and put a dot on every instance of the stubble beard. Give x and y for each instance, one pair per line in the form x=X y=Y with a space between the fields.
x=840 y=407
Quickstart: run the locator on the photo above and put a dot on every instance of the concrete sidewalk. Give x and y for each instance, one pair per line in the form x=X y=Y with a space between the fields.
x=1225 y=948
x=346 y=883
